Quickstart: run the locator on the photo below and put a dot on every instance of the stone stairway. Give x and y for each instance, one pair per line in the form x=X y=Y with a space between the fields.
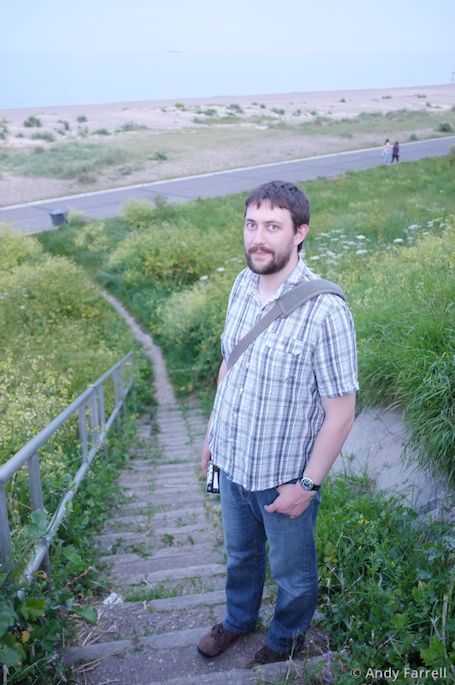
x=163 y=548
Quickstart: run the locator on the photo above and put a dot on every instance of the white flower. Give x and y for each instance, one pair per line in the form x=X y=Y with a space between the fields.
x=361 y=251
x=314 y=257
x=398 y=240
x=361 y=237
x=221 y=268
x=204 y=278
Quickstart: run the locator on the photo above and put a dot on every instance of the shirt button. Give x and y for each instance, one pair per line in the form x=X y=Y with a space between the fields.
x=240 y=390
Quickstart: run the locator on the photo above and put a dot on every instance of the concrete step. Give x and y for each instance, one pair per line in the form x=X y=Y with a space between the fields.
x=146 y=589
x=129 y=478
x=161 y=560
x=171 y=658
x=133 y=620
x=137 y=575
x=159 y=501
x=139 y=522
x=105 y=542
x=171 y=466
x=178 y=482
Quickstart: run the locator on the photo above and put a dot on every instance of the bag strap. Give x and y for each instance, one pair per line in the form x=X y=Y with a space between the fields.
x=283 y=306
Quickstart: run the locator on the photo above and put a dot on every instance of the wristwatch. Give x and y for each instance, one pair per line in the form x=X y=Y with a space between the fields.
x=307 y=484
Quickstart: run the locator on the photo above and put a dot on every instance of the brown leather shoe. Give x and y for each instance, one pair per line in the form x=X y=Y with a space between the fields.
x=266 y=655
x=216 y=641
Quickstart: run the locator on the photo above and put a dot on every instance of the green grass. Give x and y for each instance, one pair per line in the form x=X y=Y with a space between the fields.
x=174 y=265
x=386 y=583
x=57 y=335
x=66 y=160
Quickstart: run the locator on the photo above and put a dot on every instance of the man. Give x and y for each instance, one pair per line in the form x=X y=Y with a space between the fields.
x=280 y=417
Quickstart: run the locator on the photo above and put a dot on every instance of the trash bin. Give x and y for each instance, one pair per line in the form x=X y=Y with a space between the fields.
x=58 y=217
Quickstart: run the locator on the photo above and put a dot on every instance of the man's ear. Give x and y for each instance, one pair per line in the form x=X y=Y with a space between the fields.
x=301 y=233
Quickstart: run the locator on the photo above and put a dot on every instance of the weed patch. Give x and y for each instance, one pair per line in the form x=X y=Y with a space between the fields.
x=386 y=583
x=67 y=160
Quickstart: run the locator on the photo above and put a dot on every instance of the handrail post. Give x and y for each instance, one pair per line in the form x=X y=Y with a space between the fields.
x=36 y=496
x=102 y=414
x=124 y=387
x=5 y=533
x=94 y=422
x=117 y=399
x=83 y=432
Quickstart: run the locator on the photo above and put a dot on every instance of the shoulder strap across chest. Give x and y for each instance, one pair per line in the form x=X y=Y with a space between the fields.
x=283 y=307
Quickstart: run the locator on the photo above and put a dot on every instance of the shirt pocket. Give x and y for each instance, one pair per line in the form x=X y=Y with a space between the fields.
x=285 y=357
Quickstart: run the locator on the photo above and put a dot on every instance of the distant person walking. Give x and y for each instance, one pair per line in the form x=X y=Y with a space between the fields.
x=386 y=152
x=395 y=152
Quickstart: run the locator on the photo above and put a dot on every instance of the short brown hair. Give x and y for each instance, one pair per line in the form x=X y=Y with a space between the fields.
x=284 y=195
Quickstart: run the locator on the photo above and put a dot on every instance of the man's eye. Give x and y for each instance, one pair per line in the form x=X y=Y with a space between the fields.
x=250 y=225
x=273 y=227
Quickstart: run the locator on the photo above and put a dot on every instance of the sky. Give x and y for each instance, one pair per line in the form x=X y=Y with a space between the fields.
x=62 y=52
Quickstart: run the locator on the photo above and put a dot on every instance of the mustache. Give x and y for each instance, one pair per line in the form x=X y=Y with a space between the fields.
x=259 y=248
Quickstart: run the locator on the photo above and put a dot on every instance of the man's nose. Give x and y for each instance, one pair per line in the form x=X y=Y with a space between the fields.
x=259 y=235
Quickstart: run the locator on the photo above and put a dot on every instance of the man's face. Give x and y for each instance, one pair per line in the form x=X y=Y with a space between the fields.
x=269 y=238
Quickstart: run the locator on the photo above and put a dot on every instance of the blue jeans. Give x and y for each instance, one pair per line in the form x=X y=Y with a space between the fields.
x=292 y=557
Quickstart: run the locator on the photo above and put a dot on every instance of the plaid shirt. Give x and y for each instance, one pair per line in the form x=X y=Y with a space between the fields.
x=267 y=410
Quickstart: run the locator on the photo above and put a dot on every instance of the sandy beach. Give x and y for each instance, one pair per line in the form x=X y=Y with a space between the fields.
x=164 y=139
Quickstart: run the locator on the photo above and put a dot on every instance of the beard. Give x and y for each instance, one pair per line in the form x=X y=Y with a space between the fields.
x=276 y=263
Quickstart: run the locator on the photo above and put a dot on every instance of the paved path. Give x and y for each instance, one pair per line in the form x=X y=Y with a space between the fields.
x=34 y=217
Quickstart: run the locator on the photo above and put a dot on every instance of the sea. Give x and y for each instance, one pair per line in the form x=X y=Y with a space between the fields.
x=49 y=79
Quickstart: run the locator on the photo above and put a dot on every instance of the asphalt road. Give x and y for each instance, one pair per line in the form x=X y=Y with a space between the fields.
x=34 y=217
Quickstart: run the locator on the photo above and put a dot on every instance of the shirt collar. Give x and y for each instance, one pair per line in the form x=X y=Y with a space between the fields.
x=299 y=274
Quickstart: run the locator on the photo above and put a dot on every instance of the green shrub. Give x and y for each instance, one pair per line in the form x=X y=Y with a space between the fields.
x=81 y=119
x=56 y=336
x=190 y=326
x=4 y=131
x=16 y=249
x=130 y=126
x=167 y=254
x=32 y=122
x=386 y=583
x=159 y=156
x=67 y=160
x=405 y=318
x=43 y=135
x=445 y=127
x=233 y=107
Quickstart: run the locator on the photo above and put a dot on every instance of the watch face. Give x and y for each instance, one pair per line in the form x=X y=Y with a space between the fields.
x=307 y=483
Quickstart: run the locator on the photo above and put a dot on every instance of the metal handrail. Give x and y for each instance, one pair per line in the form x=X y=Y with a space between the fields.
x=91 y=402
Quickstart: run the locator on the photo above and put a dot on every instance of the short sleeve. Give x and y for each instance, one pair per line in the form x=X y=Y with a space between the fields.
x=335 y=356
